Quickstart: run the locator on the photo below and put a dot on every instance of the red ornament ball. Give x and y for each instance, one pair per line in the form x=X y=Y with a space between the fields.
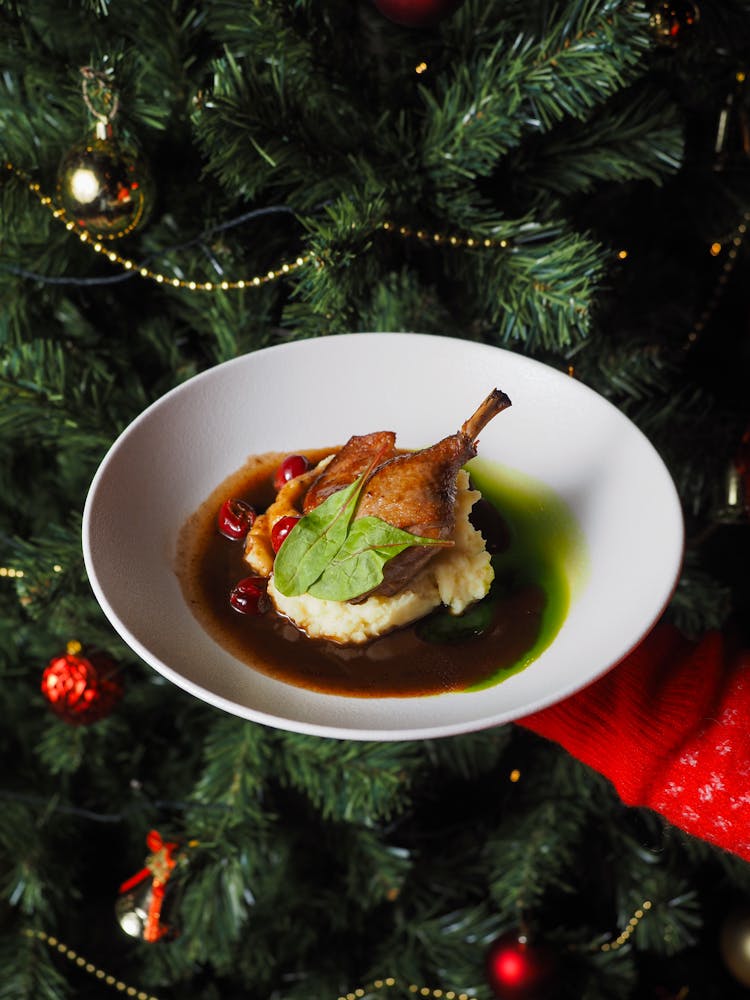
x=81 y=689
x=417 y=13
x=519 y=970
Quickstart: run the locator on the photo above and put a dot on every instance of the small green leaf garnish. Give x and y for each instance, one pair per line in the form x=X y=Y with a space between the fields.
x=358 y=566
x=332 y=557
x=314 y=541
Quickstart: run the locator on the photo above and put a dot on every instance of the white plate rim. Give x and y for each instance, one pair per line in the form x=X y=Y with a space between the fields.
x=371 y=733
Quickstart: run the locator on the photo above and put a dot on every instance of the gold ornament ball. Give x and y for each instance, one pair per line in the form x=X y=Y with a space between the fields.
x=105 y=188
x=672 y=21
x=734 y=944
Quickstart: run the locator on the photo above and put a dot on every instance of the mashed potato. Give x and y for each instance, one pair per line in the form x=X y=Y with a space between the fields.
x=456 y=577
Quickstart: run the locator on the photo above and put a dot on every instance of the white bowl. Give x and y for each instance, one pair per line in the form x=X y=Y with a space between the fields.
x=316 y=392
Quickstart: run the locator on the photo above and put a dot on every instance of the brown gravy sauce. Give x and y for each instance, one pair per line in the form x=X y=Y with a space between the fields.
x=399 y=664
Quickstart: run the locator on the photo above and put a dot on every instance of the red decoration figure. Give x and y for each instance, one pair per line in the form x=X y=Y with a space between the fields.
x=417 y=13
x=81 y=689
x=520 y=970
x=140 y=903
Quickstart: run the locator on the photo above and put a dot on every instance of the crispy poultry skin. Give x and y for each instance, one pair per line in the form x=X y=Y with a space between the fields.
x=359 y=454
x=415 y=491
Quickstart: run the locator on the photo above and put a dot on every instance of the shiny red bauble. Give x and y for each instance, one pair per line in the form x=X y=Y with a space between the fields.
x=290 y=468
x=518 y=969
x=417 y=13
x=81 y=689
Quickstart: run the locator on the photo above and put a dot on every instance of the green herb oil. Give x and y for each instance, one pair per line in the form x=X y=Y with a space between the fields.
x=546 y=548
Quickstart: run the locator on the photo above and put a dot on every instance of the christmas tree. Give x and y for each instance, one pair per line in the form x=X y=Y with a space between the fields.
x=291 y=169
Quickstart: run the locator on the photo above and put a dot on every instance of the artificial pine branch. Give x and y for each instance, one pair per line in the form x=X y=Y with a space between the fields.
x=321 y=864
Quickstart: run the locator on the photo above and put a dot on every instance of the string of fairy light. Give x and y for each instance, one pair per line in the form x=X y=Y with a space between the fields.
x=383 y=985
x=730 y=248
x=98 y=245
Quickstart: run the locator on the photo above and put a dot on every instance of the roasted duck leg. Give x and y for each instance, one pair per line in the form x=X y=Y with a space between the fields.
x=357 y=456
x=416 y=491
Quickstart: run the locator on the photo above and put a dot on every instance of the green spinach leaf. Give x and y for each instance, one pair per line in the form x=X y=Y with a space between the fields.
x=358 y=565
x=314 y=541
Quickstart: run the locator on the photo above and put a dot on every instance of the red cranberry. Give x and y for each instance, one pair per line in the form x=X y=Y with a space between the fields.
x=281 y=529
x=249 y=596
x=235 y=519
x=290 y=468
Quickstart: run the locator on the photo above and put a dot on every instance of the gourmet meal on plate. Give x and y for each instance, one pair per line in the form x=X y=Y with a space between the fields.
x=374 y=570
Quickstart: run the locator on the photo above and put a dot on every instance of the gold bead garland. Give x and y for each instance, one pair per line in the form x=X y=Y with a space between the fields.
x=109 y=980
x=96 y=244
x=440 y=238
x=734 y=243
x=127 y=264
x=391 y=983
x=378 y=985
x=11 y=573
x=428 y=237
x=624 y=936
x=86 y=966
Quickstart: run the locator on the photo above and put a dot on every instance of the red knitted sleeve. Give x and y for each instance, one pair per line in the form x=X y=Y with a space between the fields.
x=669 y=726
